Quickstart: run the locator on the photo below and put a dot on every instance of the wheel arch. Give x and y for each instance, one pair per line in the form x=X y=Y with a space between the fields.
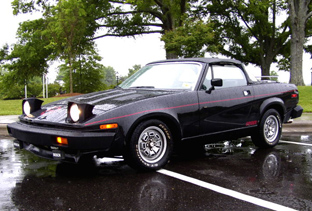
x=273 y=103
x=169 y=120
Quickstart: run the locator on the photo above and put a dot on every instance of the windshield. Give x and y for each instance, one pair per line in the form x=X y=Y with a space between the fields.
x=165 y=76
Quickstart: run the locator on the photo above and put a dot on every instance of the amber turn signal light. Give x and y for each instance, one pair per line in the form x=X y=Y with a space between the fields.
x=61 y=140
x=108 y=126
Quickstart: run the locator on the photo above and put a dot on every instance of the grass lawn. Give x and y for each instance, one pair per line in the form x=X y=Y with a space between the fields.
x=305 y=98
x=14 y=107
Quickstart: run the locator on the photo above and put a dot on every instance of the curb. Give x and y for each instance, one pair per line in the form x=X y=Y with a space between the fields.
x=4 y=121
x=297 y=128
x=3 y=130
x=3 y=126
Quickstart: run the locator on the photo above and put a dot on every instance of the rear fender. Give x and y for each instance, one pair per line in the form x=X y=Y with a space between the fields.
x=274 y=102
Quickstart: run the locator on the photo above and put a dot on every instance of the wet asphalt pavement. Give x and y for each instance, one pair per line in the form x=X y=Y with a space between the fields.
x=231 y=175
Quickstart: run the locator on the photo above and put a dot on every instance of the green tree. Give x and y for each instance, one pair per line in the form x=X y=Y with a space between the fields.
x=63 y=32
x=67 y=27
x=88 y=75
x=192 y=39
x=3 y=54
x=110 y=77
x=54 y=89
x=7 y=91
x=125 y=18
x=34 y=87
x=137 y=17
x=275 y=78
x=248 y=30
x=300 y=13
x=17 y=91
x=244 y=30
x=134 y=69
x=27 y=58
x=308 y=49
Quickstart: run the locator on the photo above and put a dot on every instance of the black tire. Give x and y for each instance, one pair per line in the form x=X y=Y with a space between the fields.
x=150 y=146
x=269 y=130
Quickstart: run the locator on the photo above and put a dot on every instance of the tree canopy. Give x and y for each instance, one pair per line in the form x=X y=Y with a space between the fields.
x=110 y=77
x=125 y=18
x=28 y=57
x=87 y=75
x=249 y=31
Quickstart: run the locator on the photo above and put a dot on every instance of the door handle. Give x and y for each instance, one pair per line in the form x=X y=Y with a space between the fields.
x=247 y=92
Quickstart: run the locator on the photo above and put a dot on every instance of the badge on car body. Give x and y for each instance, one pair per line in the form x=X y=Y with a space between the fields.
x=57 y=154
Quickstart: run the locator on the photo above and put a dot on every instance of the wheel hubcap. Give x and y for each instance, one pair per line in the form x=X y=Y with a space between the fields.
x=152 y=144
x=270 y=166
x=271 y=128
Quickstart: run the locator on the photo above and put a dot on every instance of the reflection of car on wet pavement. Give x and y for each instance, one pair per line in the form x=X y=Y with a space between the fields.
x=164 y=104
x=281 y=175
x=264 y=173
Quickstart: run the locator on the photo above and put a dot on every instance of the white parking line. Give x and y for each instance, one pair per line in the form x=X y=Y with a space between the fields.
x=297 y=143
x=228 y=192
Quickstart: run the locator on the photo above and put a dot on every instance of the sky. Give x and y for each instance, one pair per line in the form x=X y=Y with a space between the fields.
x=122 y=53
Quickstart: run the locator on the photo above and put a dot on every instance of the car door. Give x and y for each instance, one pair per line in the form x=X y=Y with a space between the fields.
x=226 y=107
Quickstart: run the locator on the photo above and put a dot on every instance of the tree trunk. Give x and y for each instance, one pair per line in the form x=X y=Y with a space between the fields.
x=265 y=69
x=70 y=77
x=296 y=61
x=298 y=15
x=266 y=60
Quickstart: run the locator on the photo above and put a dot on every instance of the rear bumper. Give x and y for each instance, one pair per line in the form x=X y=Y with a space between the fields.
x=296 y=112
x=42 y=141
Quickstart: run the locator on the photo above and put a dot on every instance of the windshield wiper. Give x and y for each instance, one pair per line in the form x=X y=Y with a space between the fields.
x=142 y=87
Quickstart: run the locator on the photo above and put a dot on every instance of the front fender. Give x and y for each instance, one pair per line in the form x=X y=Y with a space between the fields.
x=171 y=121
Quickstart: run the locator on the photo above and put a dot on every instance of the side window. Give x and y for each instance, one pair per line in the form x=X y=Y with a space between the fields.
x=230 y=74
x=207 y=81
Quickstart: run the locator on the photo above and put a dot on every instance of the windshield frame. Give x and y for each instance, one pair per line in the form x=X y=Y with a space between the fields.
x=129 y=81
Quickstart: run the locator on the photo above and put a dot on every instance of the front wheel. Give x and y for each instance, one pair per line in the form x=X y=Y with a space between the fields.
x=150 y=146
x=269 y=130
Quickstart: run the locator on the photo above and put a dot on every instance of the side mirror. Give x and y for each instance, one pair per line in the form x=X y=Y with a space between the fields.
x=215 y=82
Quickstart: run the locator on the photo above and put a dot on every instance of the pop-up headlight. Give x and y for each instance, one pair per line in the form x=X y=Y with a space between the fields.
x=31 y=105
x=77 y=112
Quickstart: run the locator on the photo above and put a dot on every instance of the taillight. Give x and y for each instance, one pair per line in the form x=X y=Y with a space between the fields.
x=294 y=95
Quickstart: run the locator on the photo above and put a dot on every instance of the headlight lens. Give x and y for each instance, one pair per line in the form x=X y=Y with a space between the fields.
x=31 y=105
x=78 y=112
x=74 y=112
x=26 y=108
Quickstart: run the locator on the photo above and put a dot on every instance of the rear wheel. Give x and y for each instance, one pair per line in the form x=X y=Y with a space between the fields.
x=150 y=146
x=269 y=130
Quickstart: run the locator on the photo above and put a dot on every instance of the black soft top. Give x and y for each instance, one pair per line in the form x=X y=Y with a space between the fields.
x=202 y=60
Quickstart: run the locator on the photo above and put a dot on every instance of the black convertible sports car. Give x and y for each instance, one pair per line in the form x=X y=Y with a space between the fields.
x=164 y=104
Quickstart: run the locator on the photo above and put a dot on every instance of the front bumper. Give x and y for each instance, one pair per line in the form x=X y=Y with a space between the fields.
x=42 y=141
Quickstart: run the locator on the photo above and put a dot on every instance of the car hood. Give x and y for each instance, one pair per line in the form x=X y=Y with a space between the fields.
x=107 y=100
x=103 y=102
